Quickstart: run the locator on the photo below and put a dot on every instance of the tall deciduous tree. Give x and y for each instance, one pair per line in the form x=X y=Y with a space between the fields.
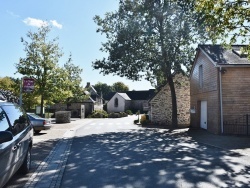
x=6 y=83
x=74 y=81
x=226 y=20
x=41 y=63
x=150 y=39
x=120 y=87
x=103 y=88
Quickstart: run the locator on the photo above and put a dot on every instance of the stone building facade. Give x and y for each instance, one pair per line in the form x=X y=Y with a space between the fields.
x=161 y=104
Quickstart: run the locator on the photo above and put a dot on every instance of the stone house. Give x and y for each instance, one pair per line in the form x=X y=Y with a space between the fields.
x=219 y=89
x=95 y=98
x=160 y=104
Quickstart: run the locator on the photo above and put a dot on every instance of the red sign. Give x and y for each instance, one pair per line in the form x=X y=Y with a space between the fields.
x=28 y=85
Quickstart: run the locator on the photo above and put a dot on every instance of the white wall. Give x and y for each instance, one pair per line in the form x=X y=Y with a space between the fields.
x=111 y=104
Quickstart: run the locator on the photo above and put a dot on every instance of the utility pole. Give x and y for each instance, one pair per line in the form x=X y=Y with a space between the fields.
x=21 y=94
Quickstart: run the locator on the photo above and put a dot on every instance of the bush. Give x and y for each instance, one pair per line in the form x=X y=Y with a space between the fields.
x=129 y=112
x=63 y=116
x=144 y=119
x=114 y=115
x=123 y=114
x=98 y=114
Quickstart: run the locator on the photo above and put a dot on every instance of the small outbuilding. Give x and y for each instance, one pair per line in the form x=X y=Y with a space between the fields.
x=160 y=111
x=120 y=102
x=220 y=89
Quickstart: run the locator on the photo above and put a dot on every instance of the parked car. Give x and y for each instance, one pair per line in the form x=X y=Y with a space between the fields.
x=16 y=137
x=39 y=123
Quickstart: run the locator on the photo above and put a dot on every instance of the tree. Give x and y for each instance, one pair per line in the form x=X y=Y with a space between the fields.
x=226 y=20
x=74 y=82
x=6 y=83
x=41 y=63
x=120 y=87
x=103 y=88
x=150 y=39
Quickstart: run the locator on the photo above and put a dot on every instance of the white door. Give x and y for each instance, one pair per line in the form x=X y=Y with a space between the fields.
x=203 y=115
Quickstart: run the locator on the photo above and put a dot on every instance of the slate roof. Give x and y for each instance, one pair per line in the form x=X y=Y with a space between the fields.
x=125 y=96
x=134 y=95
x=222 y=56
x=141 y=95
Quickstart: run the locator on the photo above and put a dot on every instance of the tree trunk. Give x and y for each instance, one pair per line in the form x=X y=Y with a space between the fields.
x=174 y=102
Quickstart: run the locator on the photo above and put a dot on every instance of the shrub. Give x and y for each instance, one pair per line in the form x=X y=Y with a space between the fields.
x=129 y=112
x=123 y=114
x=63 y=116
x=114 y=115
x=99 y=114
x=144 y=119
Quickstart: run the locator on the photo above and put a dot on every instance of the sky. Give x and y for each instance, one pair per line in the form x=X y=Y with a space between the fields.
x=71 y=21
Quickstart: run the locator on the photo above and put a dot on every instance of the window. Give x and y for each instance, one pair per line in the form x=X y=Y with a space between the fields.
x=4 y=125
x=200 y=76
x=18 y=119
x=116 y=102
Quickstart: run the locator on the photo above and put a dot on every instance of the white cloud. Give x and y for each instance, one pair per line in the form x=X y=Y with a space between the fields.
x=12 y=14
x=35 y=22
x=39 y=23
x=56 y=24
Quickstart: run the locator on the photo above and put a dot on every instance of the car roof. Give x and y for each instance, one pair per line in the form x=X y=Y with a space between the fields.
x=4 y=103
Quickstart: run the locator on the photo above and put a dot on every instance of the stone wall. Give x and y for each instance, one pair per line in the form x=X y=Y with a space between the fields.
x=75 y=108
x=161 y=104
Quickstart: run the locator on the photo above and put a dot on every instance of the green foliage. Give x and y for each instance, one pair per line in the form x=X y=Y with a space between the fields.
x=52 y=83
x=123 y=114
x=150 y=39
x=6 y=83
x=103 y=88
x=226 y=20
x=120 y=87
x=129 y=112
x=98 y=114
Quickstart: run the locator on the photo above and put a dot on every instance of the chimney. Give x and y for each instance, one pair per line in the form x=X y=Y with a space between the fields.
x=88 y=85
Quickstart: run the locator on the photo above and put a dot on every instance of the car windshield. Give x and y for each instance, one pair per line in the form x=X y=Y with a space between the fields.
x=34 y=116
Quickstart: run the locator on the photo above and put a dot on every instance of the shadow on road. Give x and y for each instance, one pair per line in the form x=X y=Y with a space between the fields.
x=39 y=152
x=152 y=158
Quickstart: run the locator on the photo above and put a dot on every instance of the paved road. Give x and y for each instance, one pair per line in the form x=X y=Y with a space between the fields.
x=114 y=153
x=43 y=146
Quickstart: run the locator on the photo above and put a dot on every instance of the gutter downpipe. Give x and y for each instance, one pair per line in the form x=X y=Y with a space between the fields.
x=221 y=104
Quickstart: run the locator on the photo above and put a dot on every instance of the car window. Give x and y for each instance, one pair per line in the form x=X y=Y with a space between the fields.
x=18 y=119
x=34 y=116
x=4 y=125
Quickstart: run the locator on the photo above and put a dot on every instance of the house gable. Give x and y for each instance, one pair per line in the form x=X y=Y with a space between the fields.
x=118 y=103
x=161 y=103
x=226 y=76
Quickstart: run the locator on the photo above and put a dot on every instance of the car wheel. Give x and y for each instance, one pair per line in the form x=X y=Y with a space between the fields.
x=24 y=169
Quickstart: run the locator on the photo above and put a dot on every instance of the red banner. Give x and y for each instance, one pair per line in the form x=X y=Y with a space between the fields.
x=28 y=85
